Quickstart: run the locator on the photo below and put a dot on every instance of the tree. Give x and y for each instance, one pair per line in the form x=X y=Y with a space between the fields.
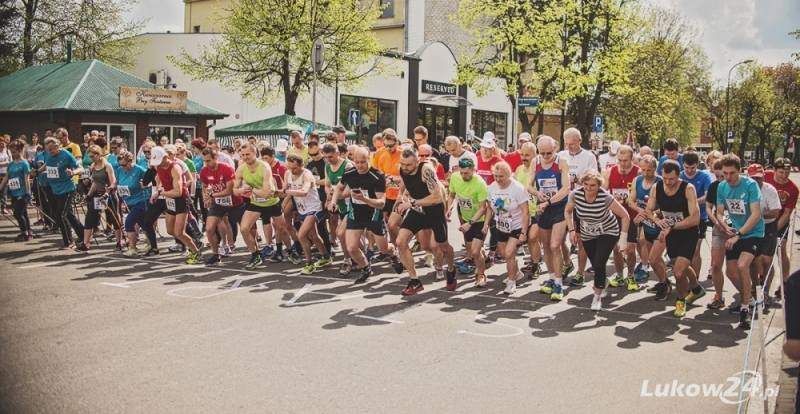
x=749 y=99
x=8 y=39
x=268 y=57
x=96 y=29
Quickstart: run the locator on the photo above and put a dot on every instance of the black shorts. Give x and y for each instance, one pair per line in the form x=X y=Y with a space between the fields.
x=784 y=231
x=703 y=228
x=475 y=232
x=377 y=228
x=681 y=244
x=505 y=237
x=770 y=245
x=750 y=245
x=552 y=215
x=267 y=213
x=234 y=213
x=532 y=221
x=180 y=206
x=389 y=206
x=433 y=218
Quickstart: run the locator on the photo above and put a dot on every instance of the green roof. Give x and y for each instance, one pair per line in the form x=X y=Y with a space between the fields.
x=279 y=125
x=83 y=86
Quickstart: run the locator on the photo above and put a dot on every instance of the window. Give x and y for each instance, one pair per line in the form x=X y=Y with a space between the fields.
x=197 y=29
x=185 y=134
x=484 y=121
x=125 y=131
x=376 y=115
x=387 y=9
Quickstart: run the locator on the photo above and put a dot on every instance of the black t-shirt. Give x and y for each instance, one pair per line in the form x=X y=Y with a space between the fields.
x=317 y=169
x=711 y=195
x=371 y=183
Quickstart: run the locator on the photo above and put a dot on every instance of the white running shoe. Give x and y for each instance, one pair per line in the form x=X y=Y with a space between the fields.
x=511 y=287
x=440 y=274
x=596 y=304
x=175 y=248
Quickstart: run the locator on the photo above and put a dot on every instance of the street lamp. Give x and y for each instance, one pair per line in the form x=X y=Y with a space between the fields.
x=728 y=99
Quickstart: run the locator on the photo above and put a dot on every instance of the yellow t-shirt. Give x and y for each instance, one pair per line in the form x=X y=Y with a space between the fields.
x=75 y=149
x=302 y=153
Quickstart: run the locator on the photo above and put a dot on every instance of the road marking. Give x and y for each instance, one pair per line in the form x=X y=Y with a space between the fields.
x=333 y=296
x=516 y=331
x=224 y=290
x=388 y=317
x=298 y=294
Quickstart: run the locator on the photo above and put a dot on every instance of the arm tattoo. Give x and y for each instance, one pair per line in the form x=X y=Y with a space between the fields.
x=430 y=179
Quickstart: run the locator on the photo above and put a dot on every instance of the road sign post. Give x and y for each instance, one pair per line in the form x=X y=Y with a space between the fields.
x=528 y=101
x=354 y=117
x=597 y=124
x=317 y=61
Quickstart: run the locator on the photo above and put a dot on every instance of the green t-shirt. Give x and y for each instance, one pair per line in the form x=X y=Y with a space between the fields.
x=334 y=177
x=522 y=176
x=190 y=165
x=469 y=194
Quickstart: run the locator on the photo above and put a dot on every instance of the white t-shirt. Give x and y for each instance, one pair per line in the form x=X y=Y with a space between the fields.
x=226 y=159
x=5 y=156
x=770 y=200
x=506 y=205
x=607 y=161
x=453 y=167
x=579 y=163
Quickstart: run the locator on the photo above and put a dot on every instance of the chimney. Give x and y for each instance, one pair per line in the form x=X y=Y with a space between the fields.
x=69 y=51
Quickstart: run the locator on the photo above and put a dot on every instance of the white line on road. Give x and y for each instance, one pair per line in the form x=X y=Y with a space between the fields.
x=388 y=318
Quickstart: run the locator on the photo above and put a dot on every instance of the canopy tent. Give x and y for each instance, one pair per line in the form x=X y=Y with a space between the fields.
x=271 y=129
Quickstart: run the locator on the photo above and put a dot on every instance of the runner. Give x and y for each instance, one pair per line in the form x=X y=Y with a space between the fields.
x=618 y=181
x=609 y=159
x=700 y=180
x=219 y=197
x=549 y=183
x=457 y=152
x=316 y=164
x=389 y=165
x=718 y=237
x=509 y=204
x=770 y=209
x=334 y=170
x=595 y=209
x=514 y=159
x=98 y=199
x=60 y=167
x=677 y=201
x=787 y=192
x=671 y=152
x=17 y=180
x=486 y=160
x=298 y=147
x=279 y=170
x=528 y=153
x=471 y=193
x=421 y=138
x=129 y=187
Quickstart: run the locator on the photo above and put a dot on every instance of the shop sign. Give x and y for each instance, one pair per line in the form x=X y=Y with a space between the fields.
x=438 y=88
x=152 y=99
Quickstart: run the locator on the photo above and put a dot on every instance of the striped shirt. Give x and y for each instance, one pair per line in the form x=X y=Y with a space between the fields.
x=596 y=218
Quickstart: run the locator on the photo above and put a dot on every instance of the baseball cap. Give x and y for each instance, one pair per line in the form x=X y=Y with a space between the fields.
x=614 y=146
x=755 y=171
x=157 y=155
x=489 y=135
x=339 y=129
x=783 y=164
x=524 y=137
x=488 y=142
x=282 y=145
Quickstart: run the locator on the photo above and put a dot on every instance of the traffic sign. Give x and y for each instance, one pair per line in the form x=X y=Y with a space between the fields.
x=528 y=101
x=354 y=117
x=598 y=123
x=318 y=55
x=730 y=137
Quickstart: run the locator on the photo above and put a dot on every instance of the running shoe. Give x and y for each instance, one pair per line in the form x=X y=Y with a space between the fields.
x=480 y=281
x=499 y=259
x=231 y=249
x=130 y=252
x=744 y=318
x=452 y=282
x=307 y=269
x=193 y=258
x=324 y=261
x=176 y=248
x=567 y=269
x=557 y=293
x=716 y=303
x=277 y=258
x=577 y=280
x=151 y=252
x=461 y=262
x=414 y=286
x=597 y=304
x=268 y=251
x=382 y=257
x=680 y=308
x=637 y=268
x=110 y=237
x=223 y=251
x=397 y=265
x=654 y=288
x=617 y=280
x=214 y=260
x=440 y=274
x=365 y=274
x=20 y=237
x=294 y=258
x=345 y=269
x=528 y=268
x=573 y=250
x=82 y=247
x=416 y=247
x=428 y=260
x=489 y=261
x=511 y=287
x=663 y=291
x=255 y=261
x=119 y=247
x=466 y=269
x=632 y=286
x=641 y=275
x=590 y=269
x=370 y=254
x=692 y=297
x=548 y=287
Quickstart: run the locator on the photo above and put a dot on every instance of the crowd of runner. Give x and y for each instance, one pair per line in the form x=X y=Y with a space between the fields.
x=318 y=195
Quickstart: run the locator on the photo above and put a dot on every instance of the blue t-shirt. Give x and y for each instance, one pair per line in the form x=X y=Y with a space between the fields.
x=55 y=169
x=16 y=177
x=129 y=185
x=701 y=181
x=143 y=162
x=642 y=197
x=41 y=177
x=664 y=158
x=198 y=165
x=112 y=159
x=279 y=157
x=737 y=203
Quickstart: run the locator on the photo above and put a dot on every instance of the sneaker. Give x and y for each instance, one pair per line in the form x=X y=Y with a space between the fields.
x=69 y=246
x=214 y=260
x=680 y=308
x=511 y=287
x=596 y=304
x=223 y=251
x=382 y=257
x=294 y=258
x=577 y=280
x=416 y=247
x=345 y=269
x=499 y=259
x=255 y=261
x=557 y=293
x=461 y=262
x=744 y=318
x=480 y=281
x=151 y=252
x=439 y=274
x=548 y=287
x=573 y=250
x=590 y=269
x=691 y=297
x=617 y=280
x=632 y=286
x=370 y=254
x=130 y=252
x=193 y=258
x=365 y=274
x=268 y=251
x=452 y=282
x=489 y=261
x=567 y=269
x=176 y=248
x=717 y=303
x=654 y=288
x=428 y=260
x=527 y=268
x=82 y=247
x=231 y=249
x=325 y=261
x=466 y=270
x=641 y=275
x=397 y=265
x=110 y=237
x=414 y=286
x=307 y=269
x=637 y=268
x=277 y=258
x=663 y=291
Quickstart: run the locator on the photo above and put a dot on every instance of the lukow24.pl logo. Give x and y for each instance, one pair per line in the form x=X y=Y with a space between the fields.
x=737 y=388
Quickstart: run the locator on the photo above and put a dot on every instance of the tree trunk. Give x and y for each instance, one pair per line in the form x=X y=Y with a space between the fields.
x=27 y=33
x=748 y=119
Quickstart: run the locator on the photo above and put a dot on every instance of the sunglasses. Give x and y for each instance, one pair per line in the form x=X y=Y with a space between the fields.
x=314 y=154
x=466 y=163
x=424 y=155
x=390 y=145
x=145 y=152
x=113 y=148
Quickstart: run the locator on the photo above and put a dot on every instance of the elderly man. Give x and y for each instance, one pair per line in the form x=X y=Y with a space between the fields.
x=609 y=159
x=341 y=133
x=514 y=159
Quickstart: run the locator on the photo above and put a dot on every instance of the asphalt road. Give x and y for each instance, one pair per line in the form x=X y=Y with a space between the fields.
x=101 y=333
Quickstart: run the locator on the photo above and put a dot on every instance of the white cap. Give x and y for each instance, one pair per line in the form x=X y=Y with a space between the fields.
x=157 y=155
x=488 y=135
x=282 y=145
x=525 y=137
x=488 y=142
x=614 y=146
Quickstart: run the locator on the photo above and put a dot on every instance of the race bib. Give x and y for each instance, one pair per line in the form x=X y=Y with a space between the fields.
x=591 y=229
x=418 y=209
x=548 y=186
x=123 y=191
x=99 y=203
x=52 y=172
x=257 y=199
x=171 y=205
x=358 y=201
x=465 y=203
x=14 y=184
x=393 y=184
x=623 y=193
x=504 y=224
x=736 y=207
x=672 y=218
x=226 y=201
x=727 y=218
x=85 y=175
x=301 y=208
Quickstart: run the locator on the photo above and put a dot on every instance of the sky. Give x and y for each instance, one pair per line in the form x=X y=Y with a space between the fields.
x=731 y=30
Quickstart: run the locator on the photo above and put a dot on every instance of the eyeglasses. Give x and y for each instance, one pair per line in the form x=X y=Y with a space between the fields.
x=424 y=155
x=113 y=148
x=314 y=154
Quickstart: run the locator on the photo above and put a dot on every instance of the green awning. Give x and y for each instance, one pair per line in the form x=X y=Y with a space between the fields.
x=279 y=125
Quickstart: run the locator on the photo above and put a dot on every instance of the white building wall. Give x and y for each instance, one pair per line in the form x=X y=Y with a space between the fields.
x=415 y=24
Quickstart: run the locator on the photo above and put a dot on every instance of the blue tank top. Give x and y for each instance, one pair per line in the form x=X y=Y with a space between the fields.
x=548 y=180
x=642 y=197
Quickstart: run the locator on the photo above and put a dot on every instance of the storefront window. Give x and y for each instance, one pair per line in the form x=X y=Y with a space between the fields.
x=376 y=115
x=186 y=134
x=126 y=132
x=484 y=121
x=156 y=132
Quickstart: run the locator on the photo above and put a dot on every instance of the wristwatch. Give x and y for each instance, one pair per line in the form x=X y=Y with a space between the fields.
x=737 y=233
x=413 y=202
x=471 y=222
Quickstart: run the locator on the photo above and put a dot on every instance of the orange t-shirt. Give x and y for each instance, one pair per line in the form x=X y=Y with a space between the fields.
x=389 y=165
x=377 y=156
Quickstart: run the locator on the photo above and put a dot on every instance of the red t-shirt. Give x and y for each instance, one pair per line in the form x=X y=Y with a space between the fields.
x=514 y=160
x=166 y=179
x=786 y=192
x=484 y=168
x=622 y=184
x=217 y=180
x=278 y=173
